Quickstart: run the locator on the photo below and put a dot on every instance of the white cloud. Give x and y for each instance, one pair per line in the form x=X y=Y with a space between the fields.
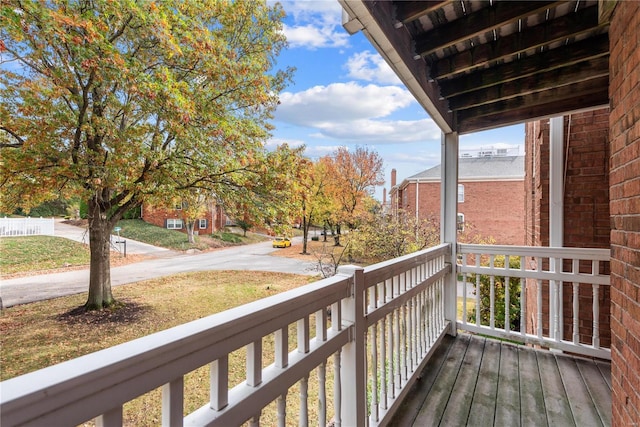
x=371 y=67
x=355 y=113
x=316 y=151
x=325 y=12
x=314 y=37
x=275 y=142
x=383 y=131
x=341 y=102
x=314 y=24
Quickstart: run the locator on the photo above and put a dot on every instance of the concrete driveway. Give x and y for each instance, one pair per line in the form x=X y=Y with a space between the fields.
x=249 y=257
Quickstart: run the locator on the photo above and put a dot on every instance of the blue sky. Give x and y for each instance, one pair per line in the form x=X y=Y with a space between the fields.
x=344 y=94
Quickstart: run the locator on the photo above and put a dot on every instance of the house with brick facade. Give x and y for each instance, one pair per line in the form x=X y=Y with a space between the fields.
x=490 y=195
x=211 y=221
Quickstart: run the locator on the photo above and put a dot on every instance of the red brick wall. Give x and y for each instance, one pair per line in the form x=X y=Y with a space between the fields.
x=586 y=209
x=492 y=209
x=624 y=122
x=158 y=216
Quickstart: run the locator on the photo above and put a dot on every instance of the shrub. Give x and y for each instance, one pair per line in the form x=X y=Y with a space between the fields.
x=499 y=297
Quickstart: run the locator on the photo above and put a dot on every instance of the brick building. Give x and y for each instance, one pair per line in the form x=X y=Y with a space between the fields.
x=214 y=219
x=490 y=186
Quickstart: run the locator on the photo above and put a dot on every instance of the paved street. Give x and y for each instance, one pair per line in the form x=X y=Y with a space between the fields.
x=249 y=257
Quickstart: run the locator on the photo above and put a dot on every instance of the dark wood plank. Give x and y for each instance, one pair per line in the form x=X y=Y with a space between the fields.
x=483 y=408
x=508 y=397
x=556 y=403
x=598 y=389
x=532 y=411
x=582 y=406
x=409 y=409
x=435 y=404
x=459 y=405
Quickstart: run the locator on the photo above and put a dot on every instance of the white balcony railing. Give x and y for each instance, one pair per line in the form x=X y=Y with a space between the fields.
x=361 y=358
x=556 y=294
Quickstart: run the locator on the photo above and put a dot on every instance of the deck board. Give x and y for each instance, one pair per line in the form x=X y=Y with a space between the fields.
x=438 y=397
x=599 y=388
x=483 y=407
x=532 y=409
x=556 y=403
x=476 y=381
x=508 y=408
x=457 y=411
x=582 y=406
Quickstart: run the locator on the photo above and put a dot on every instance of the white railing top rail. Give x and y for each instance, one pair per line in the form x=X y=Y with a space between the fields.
x=80 y=389
x=596 y=254
x=387 y=269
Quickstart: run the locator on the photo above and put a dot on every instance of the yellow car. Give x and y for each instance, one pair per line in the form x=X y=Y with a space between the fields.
x=281 y=242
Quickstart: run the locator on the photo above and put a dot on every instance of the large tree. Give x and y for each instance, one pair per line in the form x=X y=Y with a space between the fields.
x=118 y=100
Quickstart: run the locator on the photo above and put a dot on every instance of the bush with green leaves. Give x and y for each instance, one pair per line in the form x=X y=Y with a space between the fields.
x=499 y=284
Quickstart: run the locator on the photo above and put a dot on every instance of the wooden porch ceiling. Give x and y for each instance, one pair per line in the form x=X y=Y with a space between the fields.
x=477 y=65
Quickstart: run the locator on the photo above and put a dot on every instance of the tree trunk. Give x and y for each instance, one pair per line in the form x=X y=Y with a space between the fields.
x=305 y=227
x=336 y=238
x=99 y=270
x=191 y=225
x=305 y=233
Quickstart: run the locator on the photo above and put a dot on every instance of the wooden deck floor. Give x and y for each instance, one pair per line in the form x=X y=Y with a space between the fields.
x=473 y=381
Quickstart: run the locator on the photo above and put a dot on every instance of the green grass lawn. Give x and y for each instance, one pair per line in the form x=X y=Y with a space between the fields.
x=37 y=253
x=141 y=231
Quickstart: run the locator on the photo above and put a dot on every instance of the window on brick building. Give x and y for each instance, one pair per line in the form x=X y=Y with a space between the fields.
x=460 y=193
x=404 y=198
x=460 y=222
x=202 y=224
x=174 y=224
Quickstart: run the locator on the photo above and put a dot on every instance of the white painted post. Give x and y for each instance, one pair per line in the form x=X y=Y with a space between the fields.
x=354 y=391
x=448 y=220
x=556 y=220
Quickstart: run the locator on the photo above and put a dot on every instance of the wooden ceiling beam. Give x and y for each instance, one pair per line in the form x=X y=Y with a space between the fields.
x=477 y=23
x=407 y=11
x=548 y=96
x=560 y=58
x=546 y=33
x=468 y=123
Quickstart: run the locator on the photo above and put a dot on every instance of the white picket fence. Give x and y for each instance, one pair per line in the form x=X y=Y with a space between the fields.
x=26 y=227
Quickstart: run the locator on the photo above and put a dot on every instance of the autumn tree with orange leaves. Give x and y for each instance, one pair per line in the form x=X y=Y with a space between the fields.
x=119 y=101
x=353 y=176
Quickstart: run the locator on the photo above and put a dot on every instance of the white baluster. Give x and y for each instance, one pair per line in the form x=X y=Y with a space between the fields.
x=254 y=363
x=507 y=296
x=492 y=295
x=337 y=389
x=383 y=357
x=596 y=316
x=304 y=397
x=322 y=394
x=282 y=410
x=219 y=383
x=282 y=348
x=172 y=402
